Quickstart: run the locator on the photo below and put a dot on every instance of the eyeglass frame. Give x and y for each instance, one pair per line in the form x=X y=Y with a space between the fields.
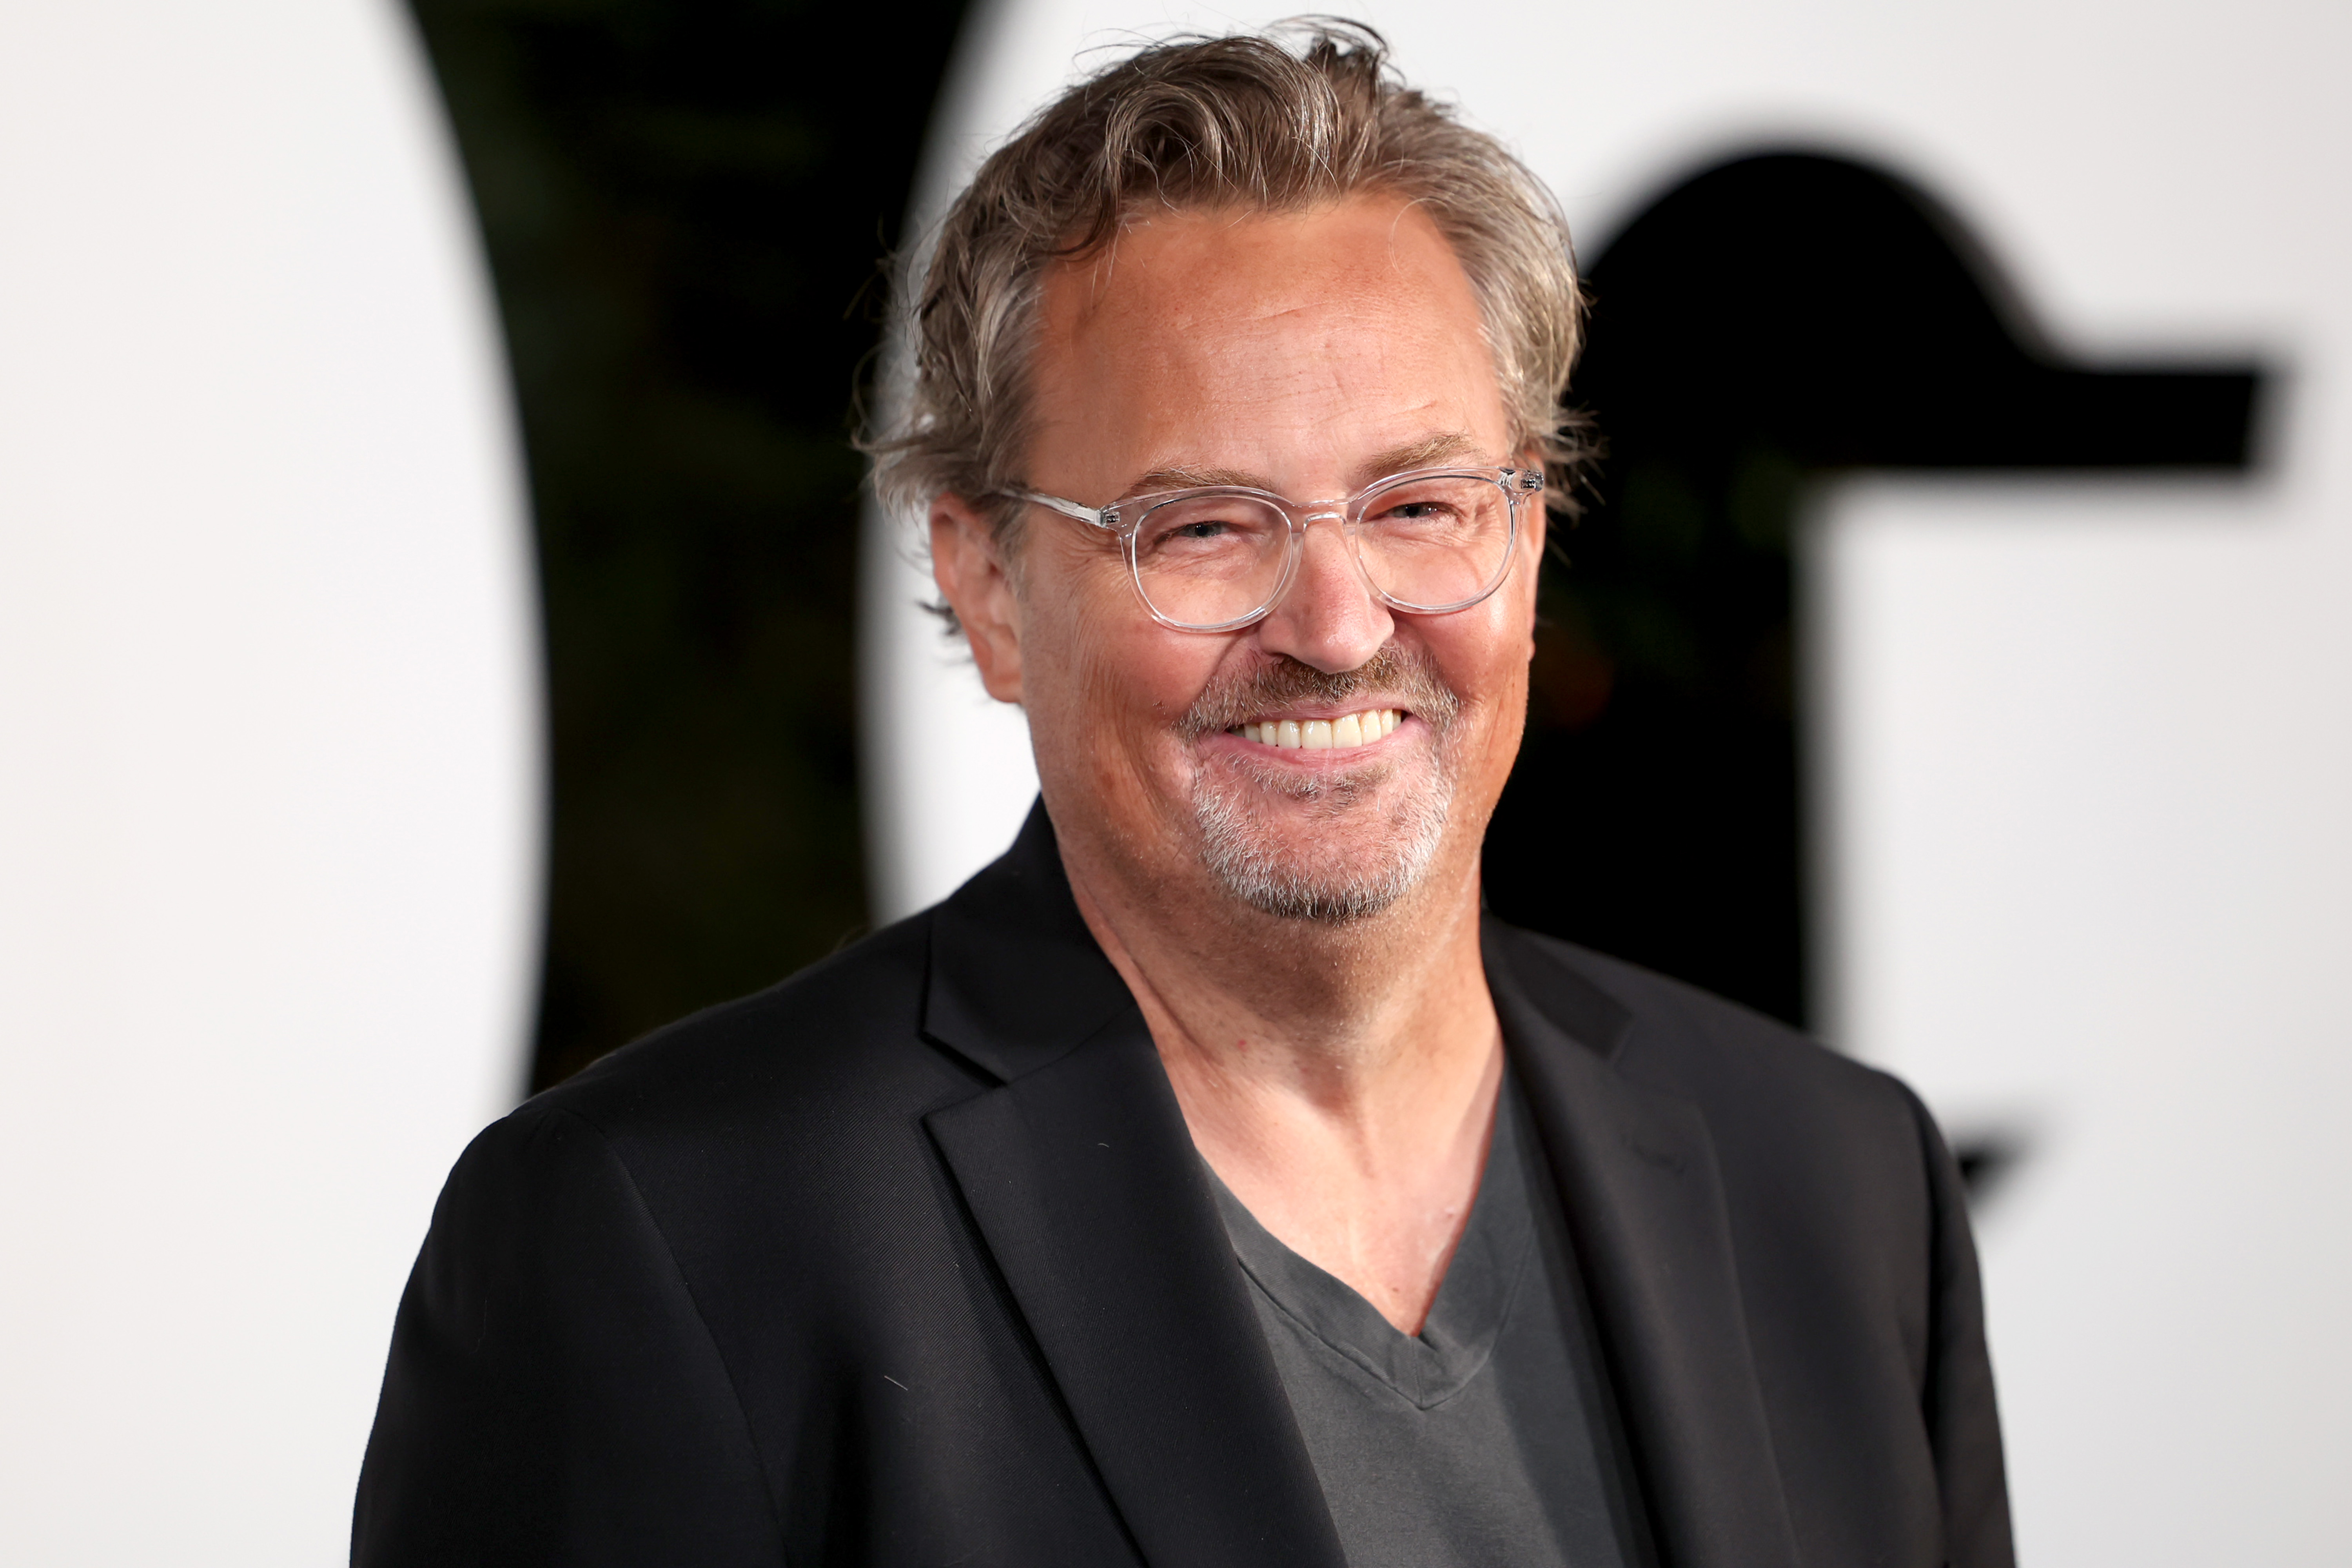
x=1124 y=519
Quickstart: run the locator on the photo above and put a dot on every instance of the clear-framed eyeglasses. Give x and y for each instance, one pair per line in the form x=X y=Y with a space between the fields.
x=1219 y=557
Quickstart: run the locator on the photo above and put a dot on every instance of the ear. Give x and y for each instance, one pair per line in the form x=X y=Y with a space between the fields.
x=970 y=570
x=1535 y=521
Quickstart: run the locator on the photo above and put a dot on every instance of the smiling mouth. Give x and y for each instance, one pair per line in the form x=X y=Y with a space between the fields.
x=1343 y=733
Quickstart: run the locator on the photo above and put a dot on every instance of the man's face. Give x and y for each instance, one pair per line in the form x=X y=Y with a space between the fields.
x=1306 y=354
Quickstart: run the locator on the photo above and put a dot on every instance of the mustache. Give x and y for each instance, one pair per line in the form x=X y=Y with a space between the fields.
x=1400 y=679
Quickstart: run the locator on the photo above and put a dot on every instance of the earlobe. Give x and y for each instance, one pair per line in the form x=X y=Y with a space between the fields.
x=968 y=567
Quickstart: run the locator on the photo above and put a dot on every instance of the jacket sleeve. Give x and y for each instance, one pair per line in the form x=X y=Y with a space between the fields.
x=552 y=1395
x=1963 y=1421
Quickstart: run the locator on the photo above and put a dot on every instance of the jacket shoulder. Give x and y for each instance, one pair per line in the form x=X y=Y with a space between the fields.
x=1730 y=1058
x=842 y=1039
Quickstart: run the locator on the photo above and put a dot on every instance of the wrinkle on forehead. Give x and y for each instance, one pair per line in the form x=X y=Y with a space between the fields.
x=1100 y=267
x=1439 y=448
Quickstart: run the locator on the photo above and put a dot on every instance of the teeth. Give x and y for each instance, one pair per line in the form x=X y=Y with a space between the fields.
x=1340 y=735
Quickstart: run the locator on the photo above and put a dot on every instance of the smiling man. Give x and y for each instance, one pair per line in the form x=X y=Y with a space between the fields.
x=1208 y=1182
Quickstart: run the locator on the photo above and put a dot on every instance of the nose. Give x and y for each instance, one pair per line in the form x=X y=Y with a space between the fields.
x=1328 y=617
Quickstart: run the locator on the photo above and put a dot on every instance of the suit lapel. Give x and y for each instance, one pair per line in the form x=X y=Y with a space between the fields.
x=1084 y=1181
x=1645 y=1202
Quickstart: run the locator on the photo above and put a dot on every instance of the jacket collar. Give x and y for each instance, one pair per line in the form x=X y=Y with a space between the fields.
x=1083 y=1179
x=1016 y=979
x=1644 y=1200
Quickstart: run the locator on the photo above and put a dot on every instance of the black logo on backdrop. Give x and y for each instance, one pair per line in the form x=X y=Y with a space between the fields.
x=1775 y=319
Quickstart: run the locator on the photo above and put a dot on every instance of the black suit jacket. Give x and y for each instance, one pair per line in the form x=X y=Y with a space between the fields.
x=910 y=1261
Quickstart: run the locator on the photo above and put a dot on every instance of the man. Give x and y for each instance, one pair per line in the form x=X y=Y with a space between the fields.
x=1207 y=1182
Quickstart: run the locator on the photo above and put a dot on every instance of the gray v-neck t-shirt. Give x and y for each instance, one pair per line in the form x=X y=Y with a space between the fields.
x=1479 y=1443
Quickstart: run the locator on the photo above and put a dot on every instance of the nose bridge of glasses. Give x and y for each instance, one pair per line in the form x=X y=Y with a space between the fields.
x=1327 y=611
x=1317 y=571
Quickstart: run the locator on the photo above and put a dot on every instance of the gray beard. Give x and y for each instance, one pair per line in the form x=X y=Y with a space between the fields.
x=1291 y=884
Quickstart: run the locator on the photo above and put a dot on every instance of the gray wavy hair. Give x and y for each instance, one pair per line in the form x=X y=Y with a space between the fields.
x=1306 y=115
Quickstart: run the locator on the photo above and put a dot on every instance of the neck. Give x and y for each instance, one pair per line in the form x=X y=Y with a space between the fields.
x=1340 y=1078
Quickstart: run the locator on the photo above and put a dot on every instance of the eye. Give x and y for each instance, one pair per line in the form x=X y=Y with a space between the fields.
x=1418 y=508
x=1210 y=525
x=1178 y=532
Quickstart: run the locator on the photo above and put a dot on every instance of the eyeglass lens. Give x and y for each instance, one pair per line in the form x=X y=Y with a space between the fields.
x=1432 y=542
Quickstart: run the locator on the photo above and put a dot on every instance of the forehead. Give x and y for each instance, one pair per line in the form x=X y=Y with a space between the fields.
x=1269 y=339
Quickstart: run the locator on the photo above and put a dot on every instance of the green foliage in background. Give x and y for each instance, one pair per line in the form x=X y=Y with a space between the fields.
x=684 y=204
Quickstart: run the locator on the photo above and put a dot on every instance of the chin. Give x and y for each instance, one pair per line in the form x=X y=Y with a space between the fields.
x=1331 y=850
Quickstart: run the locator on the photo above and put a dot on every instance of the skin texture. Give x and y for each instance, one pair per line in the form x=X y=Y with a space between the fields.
x=1341 y=1078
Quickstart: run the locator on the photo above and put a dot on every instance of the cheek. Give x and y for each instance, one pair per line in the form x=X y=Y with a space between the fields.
x=1141 y=679
x=1483 y=656
x=1069 y=601
x=1107 y=682
x=1493 y=642
x=1515 y=653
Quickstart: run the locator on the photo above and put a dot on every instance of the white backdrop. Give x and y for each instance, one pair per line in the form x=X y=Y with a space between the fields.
x=268 y=757
x=2082 y=751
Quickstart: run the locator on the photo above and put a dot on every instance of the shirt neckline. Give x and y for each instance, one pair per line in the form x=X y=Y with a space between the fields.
x=1474 y=1300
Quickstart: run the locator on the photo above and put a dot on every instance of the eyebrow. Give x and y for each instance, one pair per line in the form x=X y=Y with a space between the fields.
x=1184 y=477
x=1435 y=450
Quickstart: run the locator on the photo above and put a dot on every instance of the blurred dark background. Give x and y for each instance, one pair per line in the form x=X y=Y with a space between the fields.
x=683 y=203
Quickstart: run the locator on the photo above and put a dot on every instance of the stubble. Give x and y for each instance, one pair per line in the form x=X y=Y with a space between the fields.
x=1270 y=866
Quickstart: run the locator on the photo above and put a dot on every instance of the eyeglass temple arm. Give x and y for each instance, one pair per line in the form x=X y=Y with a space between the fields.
x=1107 y=518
